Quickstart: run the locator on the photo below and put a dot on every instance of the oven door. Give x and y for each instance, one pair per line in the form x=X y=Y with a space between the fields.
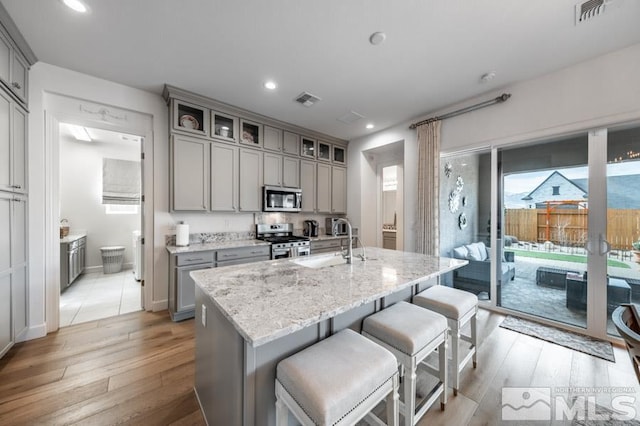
x=282 y=253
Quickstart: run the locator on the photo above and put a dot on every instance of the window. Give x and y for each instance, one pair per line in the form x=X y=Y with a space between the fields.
x=121 y=208
x=556 y=190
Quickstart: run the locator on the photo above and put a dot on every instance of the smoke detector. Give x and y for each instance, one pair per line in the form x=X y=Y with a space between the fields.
x=590 y=9
x=307 y=99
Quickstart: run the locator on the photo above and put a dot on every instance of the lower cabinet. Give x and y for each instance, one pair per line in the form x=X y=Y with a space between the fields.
x=6 y=333
x=182 y=286
x=331 y=245
x=389 y=240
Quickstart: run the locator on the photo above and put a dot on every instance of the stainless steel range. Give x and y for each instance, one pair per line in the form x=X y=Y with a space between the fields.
x=283 y=243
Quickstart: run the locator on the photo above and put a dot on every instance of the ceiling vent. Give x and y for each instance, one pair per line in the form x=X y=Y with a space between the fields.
x=350 y=117
x=307 y=99
x=589 y=9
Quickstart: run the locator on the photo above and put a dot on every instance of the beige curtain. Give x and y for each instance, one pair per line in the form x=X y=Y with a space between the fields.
x=428 y=227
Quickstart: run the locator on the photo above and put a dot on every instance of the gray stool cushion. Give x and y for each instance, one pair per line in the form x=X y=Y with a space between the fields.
x=450 y=302
x=333 y=376
x=406 y=327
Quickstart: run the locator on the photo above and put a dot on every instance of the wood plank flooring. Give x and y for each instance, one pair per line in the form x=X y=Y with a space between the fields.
x=138 y=369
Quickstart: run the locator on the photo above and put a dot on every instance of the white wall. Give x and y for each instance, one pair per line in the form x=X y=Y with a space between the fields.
x=599 y=92
x=81 y=196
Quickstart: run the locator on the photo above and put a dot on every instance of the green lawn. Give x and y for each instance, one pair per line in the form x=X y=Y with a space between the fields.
x=564 y=257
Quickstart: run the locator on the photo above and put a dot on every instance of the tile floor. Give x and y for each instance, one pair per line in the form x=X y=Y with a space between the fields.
x=96 y=295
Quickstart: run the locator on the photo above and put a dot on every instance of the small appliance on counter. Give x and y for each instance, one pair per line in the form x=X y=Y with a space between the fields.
x=310 y=228
x=333 y=228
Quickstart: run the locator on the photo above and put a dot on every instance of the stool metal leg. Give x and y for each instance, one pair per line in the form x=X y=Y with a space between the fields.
x=442 y=365
x=474 y=338
x=455 y=346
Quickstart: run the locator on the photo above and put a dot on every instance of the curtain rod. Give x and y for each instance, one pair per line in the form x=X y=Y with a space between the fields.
x=498 y=100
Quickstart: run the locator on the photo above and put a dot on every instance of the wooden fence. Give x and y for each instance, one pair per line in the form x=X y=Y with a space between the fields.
x=568 y=227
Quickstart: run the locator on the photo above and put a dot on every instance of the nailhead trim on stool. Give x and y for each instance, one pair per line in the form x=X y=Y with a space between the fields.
x=412 y=333
x=337 y=381
x=460 y=307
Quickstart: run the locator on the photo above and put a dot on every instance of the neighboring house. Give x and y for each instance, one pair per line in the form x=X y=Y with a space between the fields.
x=621 y=191
x=557 y=188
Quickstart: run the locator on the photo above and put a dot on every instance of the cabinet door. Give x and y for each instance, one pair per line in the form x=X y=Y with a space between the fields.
x=291 y=172
x=338 y=190
x=19 y=301
x=186 y=288
x=6 y=331
x=272 y=169
x=19 y=233
x=5 y=58
x=5 y=232
x=324 y=151
x=19 y=76
x=5 y=143
x=339 y=155
x=291 y=143
x=308 y=185
x=18 y=145
x=224 y=177
x=272 y=138
x=324 y=188
x=250 y=180
x=190 y=174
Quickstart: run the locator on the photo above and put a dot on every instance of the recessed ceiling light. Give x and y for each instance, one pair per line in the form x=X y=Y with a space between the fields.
x=377 y=38
x=76 y=5
x=271 y=85
x=369 y=126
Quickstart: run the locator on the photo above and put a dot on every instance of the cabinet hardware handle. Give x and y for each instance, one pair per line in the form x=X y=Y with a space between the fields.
x=16 y=85
x=256 y=252
x=16 y=186
x=193 y=259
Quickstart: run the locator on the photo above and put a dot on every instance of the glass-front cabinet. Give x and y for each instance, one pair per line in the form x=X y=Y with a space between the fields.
x=308 y=147
x=324 y=151
x=251 y=133
x=339 y=155
x=190 y=118
x=224 y=127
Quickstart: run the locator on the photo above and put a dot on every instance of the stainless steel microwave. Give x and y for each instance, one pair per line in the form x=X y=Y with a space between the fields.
x=278 y=199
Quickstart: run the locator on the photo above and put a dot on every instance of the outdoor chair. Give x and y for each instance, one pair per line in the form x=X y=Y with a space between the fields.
x=627 y=321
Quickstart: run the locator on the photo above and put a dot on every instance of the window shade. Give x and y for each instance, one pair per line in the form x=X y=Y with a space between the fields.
x=120 y=181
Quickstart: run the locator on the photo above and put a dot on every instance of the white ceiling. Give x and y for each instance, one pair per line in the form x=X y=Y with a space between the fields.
x=434 y=55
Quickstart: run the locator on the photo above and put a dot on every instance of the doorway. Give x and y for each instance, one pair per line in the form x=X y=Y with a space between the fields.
x=99 y=197
x=392 y=205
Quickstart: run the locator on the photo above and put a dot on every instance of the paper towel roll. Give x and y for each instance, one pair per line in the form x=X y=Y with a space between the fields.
x=182 y=234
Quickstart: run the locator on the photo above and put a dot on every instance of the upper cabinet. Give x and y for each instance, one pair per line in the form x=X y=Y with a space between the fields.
x=307 y=147
x=224 y=127
x=324 y=151
x=291 y=143
x=250 y=133
x=190 y=118
x=339 y=155
x=190 y=164
x=13 y=140
x=272 y=139
x=14 y=68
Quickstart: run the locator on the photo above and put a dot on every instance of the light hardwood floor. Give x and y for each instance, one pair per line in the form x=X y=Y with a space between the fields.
x=139 y=369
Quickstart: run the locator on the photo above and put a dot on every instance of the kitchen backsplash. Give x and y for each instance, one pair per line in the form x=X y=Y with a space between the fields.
x=212 y=237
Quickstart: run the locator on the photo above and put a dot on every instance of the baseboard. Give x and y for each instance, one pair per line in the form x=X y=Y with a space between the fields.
x=34 y=332
x=160 y=305
x=91 y=269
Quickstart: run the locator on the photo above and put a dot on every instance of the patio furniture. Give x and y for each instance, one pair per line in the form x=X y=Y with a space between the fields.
x=552 y=277
x=627 y=322
x=618 y=292
x=635 y=289
x=476 y=276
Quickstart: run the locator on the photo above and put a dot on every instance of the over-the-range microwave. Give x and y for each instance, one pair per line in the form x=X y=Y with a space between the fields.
x=279 y=199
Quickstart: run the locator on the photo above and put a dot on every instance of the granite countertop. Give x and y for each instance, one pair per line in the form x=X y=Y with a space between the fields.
x=275 y=298
x=72 y=237
x=218 y=245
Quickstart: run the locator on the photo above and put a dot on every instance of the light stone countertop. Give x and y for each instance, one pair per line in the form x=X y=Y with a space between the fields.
x=275 y=298
x=218 y=245
x=72 y=237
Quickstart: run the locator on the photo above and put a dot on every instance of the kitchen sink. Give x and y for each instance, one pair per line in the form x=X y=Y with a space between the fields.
x=320 y=261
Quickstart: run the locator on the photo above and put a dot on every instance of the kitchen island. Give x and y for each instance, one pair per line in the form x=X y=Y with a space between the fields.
x=249 y=317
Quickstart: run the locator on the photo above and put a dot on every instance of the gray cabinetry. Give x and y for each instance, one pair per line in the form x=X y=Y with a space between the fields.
x=14 y=68
x=323 y=194
x=290 y=172
x=291 y=143
x=237 y=256
x=250 y=180
x=272 y=169
x=224 y=177
x=190 y=174
x=72 y=260
x=389 y=240
x=326 y=246
x=308 y=185
x=13 y=138
x=272 y=138
x=182 y=286
x=6 y=52
x=338 y=190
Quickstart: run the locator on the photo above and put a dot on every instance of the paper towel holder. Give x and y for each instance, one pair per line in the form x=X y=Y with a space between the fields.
x=182 y=234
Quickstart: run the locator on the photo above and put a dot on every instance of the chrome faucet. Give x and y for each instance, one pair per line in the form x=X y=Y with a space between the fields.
x=349 y=254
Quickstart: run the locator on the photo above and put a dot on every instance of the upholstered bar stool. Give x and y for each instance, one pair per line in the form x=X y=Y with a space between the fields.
x=411 y=334
x=337 y=381
x=460 y=307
